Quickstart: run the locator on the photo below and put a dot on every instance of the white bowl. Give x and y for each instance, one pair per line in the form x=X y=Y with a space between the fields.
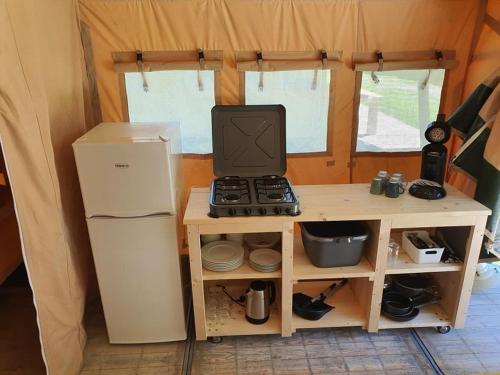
x=206 y=238
x=236 y=237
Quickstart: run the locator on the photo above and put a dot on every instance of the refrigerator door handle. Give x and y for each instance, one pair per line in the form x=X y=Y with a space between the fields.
x=130 y=217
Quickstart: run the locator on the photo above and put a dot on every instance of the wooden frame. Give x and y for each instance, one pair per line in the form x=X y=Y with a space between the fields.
x=407 y=60
x=360 y=303
x=288 y=61
x=93 y=113
x=125 y=62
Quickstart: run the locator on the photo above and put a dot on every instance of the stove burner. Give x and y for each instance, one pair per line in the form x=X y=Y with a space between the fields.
x=232 y=197
x=246 y=196
x=275 y=196
x=273 y=189
x=231 y=191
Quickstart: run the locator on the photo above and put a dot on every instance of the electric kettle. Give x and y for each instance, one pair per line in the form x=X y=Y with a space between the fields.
x=258 y=299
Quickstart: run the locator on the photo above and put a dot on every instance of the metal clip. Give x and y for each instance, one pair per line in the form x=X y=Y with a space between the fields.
x=324 y=58
x=140 y=67
x=380 y=60
x=439 y=57
x=261 y=73
x=201 y=58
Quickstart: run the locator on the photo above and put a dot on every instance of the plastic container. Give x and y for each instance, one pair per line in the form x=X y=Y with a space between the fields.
x=334 y=243
x=429 y=255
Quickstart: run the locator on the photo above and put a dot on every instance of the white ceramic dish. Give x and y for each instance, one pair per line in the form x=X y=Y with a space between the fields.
x=236 y=237
x=265 y=258
x=262 y=240
x=207 y=238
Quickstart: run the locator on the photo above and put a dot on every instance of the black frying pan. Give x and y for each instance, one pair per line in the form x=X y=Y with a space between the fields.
x=397 y=304
x=412 y=285
x=402 y=318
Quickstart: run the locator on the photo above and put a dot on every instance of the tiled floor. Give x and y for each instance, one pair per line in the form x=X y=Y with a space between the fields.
x=327 y=351
x=101 y=358
x=472 y=350
x=476 y=348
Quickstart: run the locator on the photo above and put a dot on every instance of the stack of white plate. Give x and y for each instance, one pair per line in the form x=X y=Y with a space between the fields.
x=222 y=256
x=265 y=260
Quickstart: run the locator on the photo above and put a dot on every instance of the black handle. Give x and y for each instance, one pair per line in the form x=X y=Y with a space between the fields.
x=272 y=297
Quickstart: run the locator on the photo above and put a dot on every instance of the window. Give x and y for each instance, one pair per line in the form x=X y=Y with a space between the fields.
x=395 y=108
x=306 y=97
x=186 y=96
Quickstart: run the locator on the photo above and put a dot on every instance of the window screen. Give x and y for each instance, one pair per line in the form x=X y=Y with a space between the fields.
x=177 y=95
x=395 y=108
x=305 y=95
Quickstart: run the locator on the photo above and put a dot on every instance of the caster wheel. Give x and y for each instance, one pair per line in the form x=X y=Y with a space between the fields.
x=215 y=339
x=443 y=329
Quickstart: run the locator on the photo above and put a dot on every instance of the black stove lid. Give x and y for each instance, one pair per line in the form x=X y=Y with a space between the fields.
x=249 y=140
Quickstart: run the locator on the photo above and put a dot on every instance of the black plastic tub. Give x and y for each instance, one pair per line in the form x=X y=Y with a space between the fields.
x=334 y=243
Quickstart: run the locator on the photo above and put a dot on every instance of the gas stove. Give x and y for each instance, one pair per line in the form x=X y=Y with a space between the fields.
x=249 y=152
x=250 y=196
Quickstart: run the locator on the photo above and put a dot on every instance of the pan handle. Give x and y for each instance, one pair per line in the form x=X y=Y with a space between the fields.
x=424 y=300
x=330 y=290
x=272 y=297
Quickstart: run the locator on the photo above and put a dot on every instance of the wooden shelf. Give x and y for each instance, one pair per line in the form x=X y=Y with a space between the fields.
x=347 y=312
x=303 y=269
x=233 y=322
x=357 y=303
x=243 y=272
x=405 y=264
x=429 y=316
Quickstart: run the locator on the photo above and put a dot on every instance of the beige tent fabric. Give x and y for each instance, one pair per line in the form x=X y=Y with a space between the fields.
x=485 y=60
x=267 y=25
x=41 y=114
x=289 y=26
x=411 y=26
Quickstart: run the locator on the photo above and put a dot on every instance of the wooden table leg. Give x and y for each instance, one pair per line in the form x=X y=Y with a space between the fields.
x=378 y=280
x=474 y=243
x=197 y=281
x=287 y=279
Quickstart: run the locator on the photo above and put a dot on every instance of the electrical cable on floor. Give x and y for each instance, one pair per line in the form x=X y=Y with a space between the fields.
x=425 y=351
x=190 y=342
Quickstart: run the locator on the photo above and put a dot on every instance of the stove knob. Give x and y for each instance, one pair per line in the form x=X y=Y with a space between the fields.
x=232 y=212
x=247 y=211
x=262 y=211
x=277 y=210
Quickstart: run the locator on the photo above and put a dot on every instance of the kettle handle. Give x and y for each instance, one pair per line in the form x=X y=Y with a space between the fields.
x=272 y=297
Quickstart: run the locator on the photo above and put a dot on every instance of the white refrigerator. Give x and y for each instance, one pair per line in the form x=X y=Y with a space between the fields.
x=130 y=178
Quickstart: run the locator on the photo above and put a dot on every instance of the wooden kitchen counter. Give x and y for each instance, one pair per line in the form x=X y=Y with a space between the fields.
x=346 y=202
x=359 y=302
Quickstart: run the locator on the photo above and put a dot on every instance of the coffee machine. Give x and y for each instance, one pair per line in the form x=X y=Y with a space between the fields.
x=434 y=154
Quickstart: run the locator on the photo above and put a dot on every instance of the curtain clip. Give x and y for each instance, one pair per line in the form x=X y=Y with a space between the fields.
x=439 y=57
x=261 y=73
x=380 y=60
x=140 y=67
x=201 y=59
x=324 y=58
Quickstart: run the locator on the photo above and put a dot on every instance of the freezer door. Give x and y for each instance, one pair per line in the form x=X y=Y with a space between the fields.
x=138 y=270
x=126 y=179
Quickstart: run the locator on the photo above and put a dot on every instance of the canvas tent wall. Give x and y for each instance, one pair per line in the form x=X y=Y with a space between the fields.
x=233 y=26
x=483 y=62
x=45 y=101
x=41 y=114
